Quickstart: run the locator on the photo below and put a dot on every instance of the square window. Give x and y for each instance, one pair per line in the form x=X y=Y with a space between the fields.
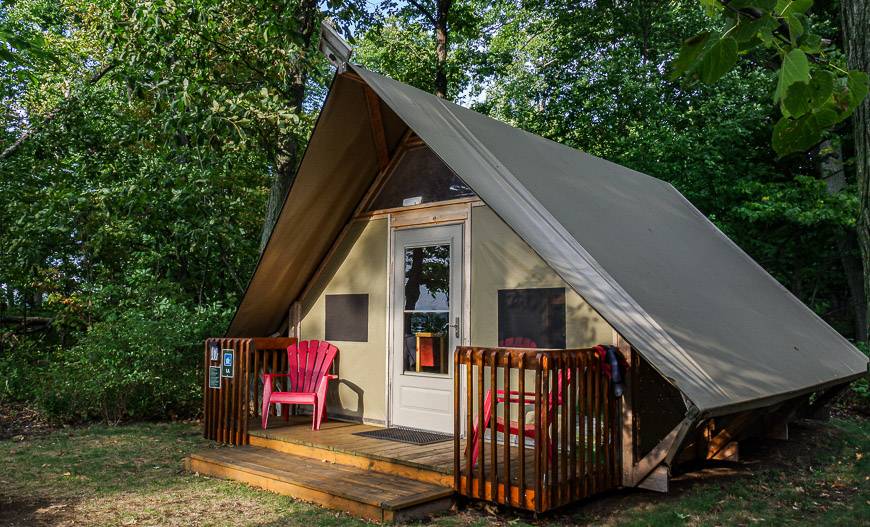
x=531 y=318
x=347 y=318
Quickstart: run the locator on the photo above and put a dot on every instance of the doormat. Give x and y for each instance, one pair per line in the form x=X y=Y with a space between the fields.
x=406 y=435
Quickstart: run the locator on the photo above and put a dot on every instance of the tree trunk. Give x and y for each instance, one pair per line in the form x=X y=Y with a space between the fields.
x=855 y=16
x=831 y=170
x=441 y=45
x=287 y=149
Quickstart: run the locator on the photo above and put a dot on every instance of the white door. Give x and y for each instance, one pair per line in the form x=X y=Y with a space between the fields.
x=426 y=322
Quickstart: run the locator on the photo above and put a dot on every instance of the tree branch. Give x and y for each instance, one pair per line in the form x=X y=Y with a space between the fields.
x=425 y=12
x=51 y=115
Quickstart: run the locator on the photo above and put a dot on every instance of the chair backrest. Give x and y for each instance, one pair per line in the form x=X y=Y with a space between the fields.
x=308 y=361
x=517 y=342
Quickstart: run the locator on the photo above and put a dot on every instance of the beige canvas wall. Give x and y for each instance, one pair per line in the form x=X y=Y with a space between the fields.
x=358 y=266
x=501 y=260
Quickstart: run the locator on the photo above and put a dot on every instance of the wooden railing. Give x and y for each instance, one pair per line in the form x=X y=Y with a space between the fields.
x=227 y=410
x=553 y=434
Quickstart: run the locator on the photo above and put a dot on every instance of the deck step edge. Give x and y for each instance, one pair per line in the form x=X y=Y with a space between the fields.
x=395 y=505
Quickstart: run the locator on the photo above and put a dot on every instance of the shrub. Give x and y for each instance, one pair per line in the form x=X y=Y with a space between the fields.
x=141 y=362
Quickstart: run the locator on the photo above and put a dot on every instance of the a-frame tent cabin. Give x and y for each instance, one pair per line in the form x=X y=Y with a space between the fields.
x=431 y=243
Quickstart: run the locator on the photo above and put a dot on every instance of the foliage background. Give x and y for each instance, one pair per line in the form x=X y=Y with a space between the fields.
x=132 y=218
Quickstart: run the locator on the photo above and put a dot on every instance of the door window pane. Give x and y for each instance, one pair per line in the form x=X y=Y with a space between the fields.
x=426 y=343
x=427 y=278
x=426 y=309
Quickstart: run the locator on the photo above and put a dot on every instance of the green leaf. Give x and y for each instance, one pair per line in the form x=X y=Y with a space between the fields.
x=795 y=27
x=811 y=43
x=795 y=68
x=821 y=86
x=688 y=55
x=796 y=100
x=718 y=60
x=747 y=27
x=711 y=6
x=795 y=135
x=825 y=117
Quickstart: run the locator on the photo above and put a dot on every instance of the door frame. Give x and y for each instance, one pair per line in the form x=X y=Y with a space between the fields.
x=435 y=215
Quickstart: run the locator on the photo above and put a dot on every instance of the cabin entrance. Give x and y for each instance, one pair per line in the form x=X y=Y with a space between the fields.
x=426 y=315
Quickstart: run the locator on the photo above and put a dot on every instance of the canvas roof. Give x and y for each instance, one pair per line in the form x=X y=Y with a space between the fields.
x=696 y=306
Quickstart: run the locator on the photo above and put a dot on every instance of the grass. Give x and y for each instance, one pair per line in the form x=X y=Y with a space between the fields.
x=131 y=475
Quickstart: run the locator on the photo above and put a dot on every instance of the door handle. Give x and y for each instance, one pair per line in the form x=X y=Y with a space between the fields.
x=455 y=328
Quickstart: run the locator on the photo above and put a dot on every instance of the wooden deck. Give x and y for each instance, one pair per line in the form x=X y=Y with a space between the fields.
x=372 y=478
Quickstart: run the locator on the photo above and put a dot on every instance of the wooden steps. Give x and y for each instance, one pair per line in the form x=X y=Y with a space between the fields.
x=353 y=489
x=432 y=464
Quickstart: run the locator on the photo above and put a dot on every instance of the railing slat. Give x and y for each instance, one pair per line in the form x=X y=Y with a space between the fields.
x=457 y=420
x=566 y=446
x=493 y=418
x=572 y=427
x=506 y=434
x=587 y=425
x=521 y=427
x=469 y=411
x=481 y=454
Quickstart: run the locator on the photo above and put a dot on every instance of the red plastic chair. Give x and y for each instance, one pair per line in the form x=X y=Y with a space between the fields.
x=309 y=361
x=517 y=342
x=514 y=396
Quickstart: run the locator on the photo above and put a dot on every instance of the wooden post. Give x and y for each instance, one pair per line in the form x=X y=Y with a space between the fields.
x=294 y=320
x=457 y=428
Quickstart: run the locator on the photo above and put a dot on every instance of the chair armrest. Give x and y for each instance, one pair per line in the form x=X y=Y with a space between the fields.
x=323 y=382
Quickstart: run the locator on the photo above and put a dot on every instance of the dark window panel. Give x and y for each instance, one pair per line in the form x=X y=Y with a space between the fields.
x=347 y=318
x=420 y=177
x=532 y=318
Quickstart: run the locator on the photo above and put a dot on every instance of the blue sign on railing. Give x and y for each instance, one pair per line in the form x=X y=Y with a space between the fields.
x=227 y=363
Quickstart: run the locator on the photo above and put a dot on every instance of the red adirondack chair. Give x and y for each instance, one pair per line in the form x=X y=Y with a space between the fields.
x=309 y=361
x=514 y=396
x=517 y=342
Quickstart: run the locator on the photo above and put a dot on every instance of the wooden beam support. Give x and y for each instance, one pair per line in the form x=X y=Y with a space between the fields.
x=729 y=434
x=730 y=452
x=377 y=125
x=626 y=410
x=662 y=453
x=657 y=480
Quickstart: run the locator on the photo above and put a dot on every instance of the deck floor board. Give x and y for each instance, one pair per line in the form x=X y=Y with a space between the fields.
x=339 y=436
